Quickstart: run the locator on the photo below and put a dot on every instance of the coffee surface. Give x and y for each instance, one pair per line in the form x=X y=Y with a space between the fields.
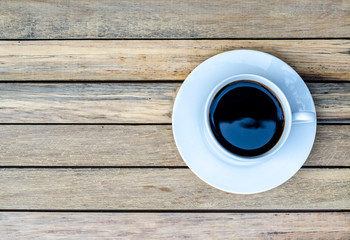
x=246 y=118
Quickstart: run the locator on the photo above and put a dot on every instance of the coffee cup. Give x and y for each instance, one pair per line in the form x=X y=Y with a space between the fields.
x=248 y=118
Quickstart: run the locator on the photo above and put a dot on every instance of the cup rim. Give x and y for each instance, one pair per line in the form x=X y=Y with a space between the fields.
x=281 y=98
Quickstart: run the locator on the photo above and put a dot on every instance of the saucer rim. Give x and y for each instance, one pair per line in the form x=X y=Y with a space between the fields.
x=311 y=125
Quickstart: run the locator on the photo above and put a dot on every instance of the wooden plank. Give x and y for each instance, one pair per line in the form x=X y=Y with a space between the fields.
x=176 y=19
x=176 y=225
x=332 y=146
x=86 y=103
x=128 y=102
x=124 y=145
x=125 y=188
x=332 y=101
x=159 y=59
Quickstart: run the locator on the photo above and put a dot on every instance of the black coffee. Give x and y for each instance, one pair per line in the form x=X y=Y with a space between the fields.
x=246 y=118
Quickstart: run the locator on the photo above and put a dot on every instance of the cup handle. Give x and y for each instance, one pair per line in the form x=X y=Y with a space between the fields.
x=303 y=117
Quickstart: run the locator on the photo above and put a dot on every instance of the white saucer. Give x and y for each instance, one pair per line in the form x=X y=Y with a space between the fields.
x=199 y=155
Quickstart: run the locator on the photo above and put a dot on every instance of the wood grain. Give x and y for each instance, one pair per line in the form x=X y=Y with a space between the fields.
x=128 y=102
x=159 y=59
x=175 y=225
x=176 y=19
x=86 y=103
x=332 y=101
x=125 y=188
x=135 y=145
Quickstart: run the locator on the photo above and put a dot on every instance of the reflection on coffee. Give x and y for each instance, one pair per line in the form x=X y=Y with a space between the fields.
x=246 y=118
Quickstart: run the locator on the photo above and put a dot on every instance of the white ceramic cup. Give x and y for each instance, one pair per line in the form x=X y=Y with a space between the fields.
x=289 y=116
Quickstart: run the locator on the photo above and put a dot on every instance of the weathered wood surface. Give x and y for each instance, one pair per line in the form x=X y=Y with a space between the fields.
x=160 y=59
x=128 y=102
x=105 y=54
x=175 y=19
x=86 y=103
x=135 y=145
x=332 y=101
x=139 y=188
x=174 y=225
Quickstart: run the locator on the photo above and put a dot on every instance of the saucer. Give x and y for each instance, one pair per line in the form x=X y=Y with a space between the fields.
x=205 y=160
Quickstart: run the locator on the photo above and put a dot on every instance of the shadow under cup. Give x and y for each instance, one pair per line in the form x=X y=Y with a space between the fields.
x=247 y=118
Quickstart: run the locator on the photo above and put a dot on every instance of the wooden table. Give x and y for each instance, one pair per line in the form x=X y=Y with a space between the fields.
x=86 y=96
